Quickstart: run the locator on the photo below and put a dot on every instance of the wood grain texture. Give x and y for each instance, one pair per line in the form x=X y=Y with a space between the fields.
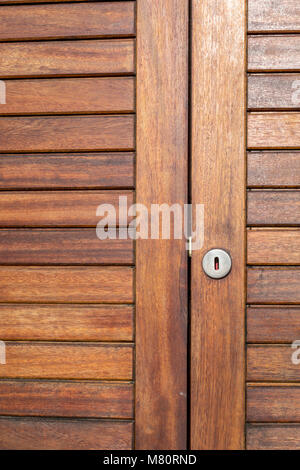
x=273 y=53
x=273 y=324
x=274 y=91
x=218 y=182
x=62 y=247
x=56 y=208
x=66 y=133
x=63 y=58
x=66 y=399
x=67 y=361
x=272 y=363
x=273 y=15
x=161 y=276
x=273 y=169
x=271 y=404
x=66 y=284
x=273 y=207
x=274 y=285
x=273 y=437
x=59 y=434
x=69 y=95
x=274 y=130
x=26 y=322
x=100 y=19
x=273 y=247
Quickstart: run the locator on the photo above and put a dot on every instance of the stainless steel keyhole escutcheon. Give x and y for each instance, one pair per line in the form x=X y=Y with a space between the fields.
x=217 y=263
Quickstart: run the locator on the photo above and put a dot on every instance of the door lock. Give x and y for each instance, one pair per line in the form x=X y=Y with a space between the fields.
x=217 y=263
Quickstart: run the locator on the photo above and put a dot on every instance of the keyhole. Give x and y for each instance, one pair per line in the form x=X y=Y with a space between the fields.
x=217 y=264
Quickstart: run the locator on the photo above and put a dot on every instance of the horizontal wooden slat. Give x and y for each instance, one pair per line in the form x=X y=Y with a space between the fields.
x=59 y=247
x=274 y=285
x=63 y=58
x=66 y=133
x=273 y=15
x=273 y=437
x=271 y=404
x=69 y=95
x=271 y=363
x=271 y=169
x=56 y=208
x=100 y=19
x=273 y=324
x=274 y=130
x=66 y=399
x=60 y=434
x=274 y=91
x=66 y=284
x=273 y=207
x=67 y=361
x=273 y=53
x=273 y=247
x=66 y=322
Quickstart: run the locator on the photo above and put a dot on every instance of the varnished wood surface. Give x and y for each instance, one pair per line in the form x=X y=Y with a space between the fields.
x=273 y=53
x=273 y=207
x=273 y=16
x=274 y=91
x=267 y=247
x=274 y=130
x=274 y=285
x=66 y=133
x=273 y=437
x=273 y=324
x=66 y=284
x=273 y=403
x=69 y=95
x=26 y=322
x=66 y=399
x=68 y=434
x=94 y=19
x=271 y=363
x=274 y=169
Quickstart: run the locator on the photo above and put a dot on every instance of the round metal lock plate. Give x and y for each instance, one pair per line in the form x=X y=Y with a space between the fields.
x=217 y=263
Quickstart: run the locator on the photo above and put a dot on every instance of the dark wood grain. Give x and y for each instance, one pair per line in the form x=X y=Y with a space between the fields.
x=69 y=95
x=273 y=324
x=66 y=284
x=66 y=399
x=61 y=247
x=274 y=285
x=56 y=208
x=67 y=361
x=25 y=322
x=59 y=434
x=273 y=403
x=274 y=91
x=96 y=19
x=63 y=58
x=273 y=53
x=274 y=15
x=273 y=437
x=274 y=130
x=271 y=363
x=273 y=247
x=271 y=169
x=273 y=207
x=66 y=133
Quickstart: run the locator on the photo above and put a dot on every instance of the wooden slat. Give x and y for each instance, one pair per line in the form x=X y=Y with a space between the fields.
x=271 y=363
x=273 y=208
x=69 y=95
x=274 y=285
x=161 y=276
x=59 y=171
x=273 y=437
x=56 y=208
x=274 y=130
x=273 y=247
x=273 y=324
x=100 y=19
x=66 y=322
x=66 y=133
x=273 y=91
x=271 y=404
x=67 y=361
x=66 y=284
x=218 y=182
x=59 y=434
x=66 y=399
x=62 y=58
x=59 y=247
x=273 y=53
x=271 y=169
x=273 y=15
